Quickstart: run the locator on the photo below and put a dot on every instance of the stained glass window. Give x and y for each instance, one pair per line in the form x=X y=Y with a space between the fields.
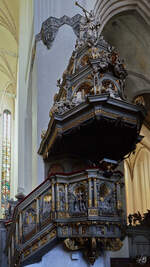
x=6 y=161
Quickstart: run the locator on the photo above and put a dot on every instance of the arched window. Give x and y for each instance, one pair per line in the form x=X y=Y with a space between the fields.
x=6 y=160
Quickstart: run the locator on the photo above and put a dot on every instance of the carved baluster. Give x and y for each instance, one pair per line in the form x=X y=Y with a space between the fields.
x=17 y=232
x=57 y=197
x=9 y=256
x=37 y=213
x=90 y=193
x=53 y=197
x=20 y=227
x=66 y=197
x=95 y=194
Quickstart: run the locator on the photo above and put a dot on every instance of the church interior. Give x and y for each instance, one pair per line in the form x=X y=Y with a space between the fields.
x=75 y=133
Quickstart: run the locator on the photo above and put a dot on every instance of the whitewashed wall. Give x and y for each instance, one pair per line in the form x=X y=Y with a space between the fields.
x=52 y=63
x=59 y=257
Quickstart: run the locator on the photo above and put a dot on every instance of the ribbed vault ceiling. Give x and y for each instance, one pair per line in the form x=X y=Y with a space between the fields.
x=9 y=29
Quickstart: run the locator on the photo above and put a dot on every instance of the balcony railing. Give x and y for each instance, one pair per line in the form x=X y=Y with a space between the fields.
x=60 y=208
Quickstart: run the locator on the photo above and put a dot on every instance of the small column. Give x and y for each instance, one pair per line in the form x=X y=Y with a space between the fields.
x=53 y=197
x=66 y=197
x=95 y=193
x=90 y=193
x=37 y=213
x=119 y=203
x=57 y=197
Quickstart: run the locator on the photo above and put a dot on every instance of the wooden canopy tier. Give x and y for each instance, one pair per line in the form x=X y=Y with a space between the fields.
x=100 y=127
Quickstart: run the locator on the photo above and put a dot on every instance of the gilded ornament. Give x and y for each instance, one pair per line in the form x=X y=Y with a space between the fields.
x=139 y=100
x=43 y=240
x=71 y=244
x=43 y=134
x=53 y=234
x=26 y=253
x=35 y=246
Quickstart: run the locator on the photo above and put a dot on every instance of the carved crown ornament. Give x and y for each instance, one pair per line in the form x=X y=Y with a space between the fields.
x=94 y=68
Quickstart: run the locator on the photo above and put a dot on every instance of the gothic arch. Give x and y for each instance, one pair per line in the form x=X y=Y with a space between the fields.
x=143 y=91
x=108 y=9
x=83 y=83
x=129 y=32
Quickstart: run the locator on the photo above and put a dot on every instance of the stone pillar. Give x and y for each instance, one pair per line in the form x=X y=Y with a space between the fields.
x=28 y=142
x=23 y=126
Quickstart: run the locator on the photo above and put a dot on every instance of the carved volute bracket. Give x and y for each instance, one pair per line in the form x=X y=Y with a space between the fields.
x=93 y=247
x=51 y=26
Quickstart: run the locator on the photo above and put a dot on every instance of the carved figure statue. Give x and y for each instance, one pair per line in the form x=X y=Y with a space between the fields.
x=130 y=219
x=79 y=204
x=79 y=200
x=142 y=220
x=137 y=217
x=89 y=26
x=110 y=89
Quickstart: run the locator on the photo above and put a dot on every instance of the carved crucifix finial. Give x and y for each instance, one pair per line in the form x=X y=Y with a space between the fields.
x=83 y=9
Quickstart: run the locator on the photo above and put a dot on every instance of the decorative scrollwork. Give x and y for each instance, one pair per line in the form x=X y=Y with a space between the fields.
x=51 y=26
x=138 y=219
x=93 y=247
